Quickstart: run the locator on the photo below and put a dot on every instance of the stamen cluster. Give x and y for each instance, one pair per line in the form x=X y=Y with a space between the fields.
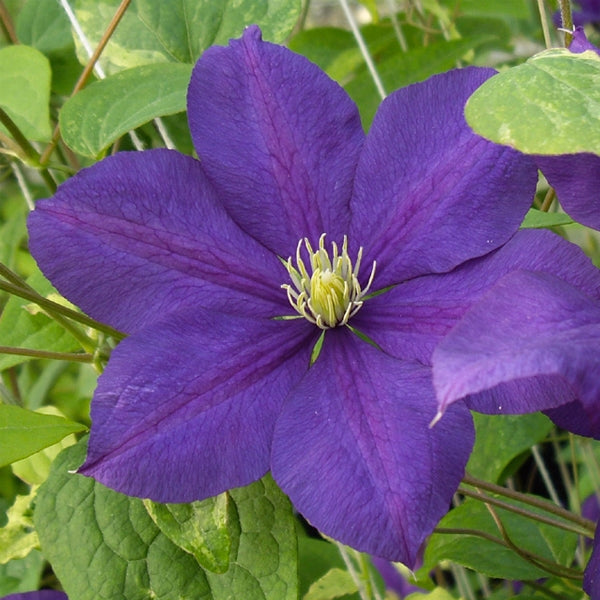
x=330 y=294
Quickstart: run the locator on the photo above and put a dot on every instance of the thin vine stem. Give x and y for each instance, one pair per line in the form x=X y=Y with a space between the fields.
x=7 y=25
x=87 y=71
x=82 y=357
x=523 y=512
x=543 y=590
x=356 y=578
x=363 y=49
x=587 y=525
x=564 y=571
x=544 y=23
x=28 y=150
x=58 y=310
x=566 y=17
x=548 y=199
x=534 y=559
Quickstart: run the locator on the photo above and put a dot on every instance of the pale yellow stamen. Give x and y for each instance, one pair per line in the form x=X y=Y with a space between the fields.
x=330 y=294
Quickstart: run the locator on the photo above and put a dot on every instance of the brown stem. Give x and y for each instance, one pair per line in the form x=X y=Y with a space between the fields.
x=31 y=352
x=566 y=16
x=586 y=524
x=87 y=71
x=7 y=24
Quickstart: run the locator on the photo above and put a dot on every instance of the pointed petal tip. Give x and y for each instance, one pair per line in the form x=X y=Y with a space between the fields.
x=436 y=419
x=252 y=32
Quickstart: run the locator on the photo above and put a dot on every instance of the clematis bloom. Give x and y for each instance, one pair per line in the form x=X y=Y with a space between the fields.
x=226 y=271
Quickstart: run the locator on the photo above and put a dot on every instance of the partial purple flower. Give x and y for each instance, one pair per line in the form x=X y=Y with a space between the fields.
x=580 y=43
x=531 y=343
x=591 y=576
x=393 y=580
x=226 y=271
x=37 y=595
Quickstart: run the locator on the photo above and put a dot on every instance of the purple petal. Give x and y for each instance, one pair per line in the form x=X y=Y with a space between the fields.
x=409 y=320
x=186 y=408
x=580 y=43
x=582 y=419
x=530 y=325
x=393 y=580
x=576 y=179
x=591 y=576
x=37 y=595
x=279 y=139
x=429 y=193
x=141 y=234
x=354 y=451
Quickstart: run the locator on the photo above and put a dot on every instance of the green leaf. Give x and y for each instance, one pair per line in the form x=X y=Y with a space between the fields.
x=93 y=119
x=18 y=537
x=403 y=68
x=315 y=558
x=264 y=556
x=200 y=528
x=335 y=51
x=44 y=25
x=150 y=33
x=501 y=438
x=35 y=468
x=25 y=90
x=21 y=575
x=123 y=554
x=516 y=9
x=25 y=328
x=103 y=545
x=23 y=432
x=490 y=558
x=537 y=219
x=12 y=231
x=436 y=594
x=548 y=105
x=334 y=584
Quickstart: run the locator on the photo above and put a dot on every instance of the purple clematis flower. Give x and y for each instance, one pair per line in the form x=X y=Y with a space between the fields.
x=393 y=235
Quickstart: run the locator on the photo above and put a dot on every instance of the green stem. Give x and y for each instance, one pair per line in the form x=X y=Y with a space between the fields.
x=548 y=199
x=71 y=356
x=523 y=512
x=28 y=150
x=586 y=525
x=566 y=17
x=540 y=562
x=6 y=25
x=544 y=22
x=362 y=592
x=543 y=589
x=58 y=312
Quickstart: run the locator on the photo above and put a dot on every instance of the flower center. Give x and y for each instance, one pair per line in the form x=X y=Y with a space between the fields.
x=328 y=293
